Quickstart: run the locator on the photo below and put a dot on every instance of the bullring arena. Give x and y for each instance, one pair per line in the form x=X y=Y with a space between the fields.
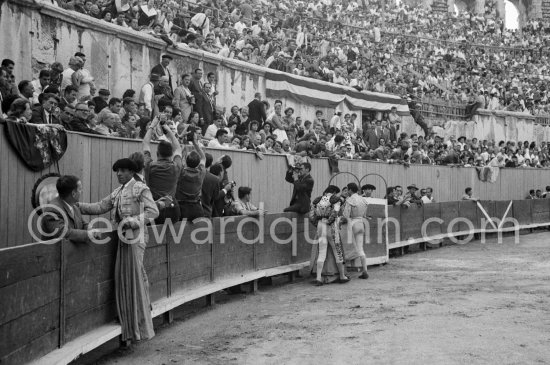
x=274 y=182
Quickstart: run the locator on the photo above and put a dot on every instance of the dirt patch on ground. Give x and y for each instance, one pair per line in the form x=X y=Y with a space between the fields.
x=474 y=303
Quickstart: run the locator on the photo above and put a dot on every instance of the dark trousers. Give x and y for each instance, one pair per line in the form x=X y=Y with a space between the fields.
x=170 y=212
x=297 y=208
x=191 y=211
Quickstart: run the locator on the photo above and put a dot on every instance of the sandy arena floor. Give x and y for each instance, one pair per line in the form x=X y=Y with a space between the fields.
x=476 y=303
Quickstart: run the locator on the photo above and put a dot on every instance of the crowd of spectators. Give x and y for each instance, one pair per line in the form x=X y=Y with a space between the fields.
x=379 y=46
x=66 y=97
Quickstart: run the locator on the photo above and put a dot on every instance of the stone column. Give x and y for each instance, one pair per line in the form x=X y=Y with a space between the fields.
x=480 y=7
x=500 y=9
x=451 y=6
x=535 y=10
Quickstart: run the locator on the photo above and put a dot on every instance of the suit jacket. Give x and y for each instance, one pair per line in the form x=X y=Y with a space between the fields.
x=195 y=87
x=204 y=105
x=70 y=227
x=210 y=192
x=372 y=139
x=301 y=194
x=39 y=116
x=256 y=111
x=79 y=125
x=159 y=70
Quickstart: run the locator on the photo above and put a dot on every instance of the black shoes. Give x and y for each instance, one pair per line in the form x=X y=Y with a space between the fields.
x=364 y=275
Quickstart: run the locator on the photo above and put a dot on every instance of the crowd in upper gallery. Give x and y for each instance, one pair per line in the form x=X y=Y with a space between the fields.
x=439 y=57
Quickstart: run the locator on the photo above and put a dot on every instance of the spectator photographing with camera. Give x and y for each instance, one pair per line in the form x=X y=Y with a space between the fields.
x=188 y=192
x=303 y=186
x=162 y=175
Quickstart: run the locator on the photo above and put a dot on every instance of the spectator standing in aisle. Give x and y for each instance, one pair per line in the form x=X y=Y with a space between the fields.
x=184 y=99
x=204 y=105
x=256 y=110
x=147 y=94
x=82 y=79
x=162 y=69
x=75 y=63
x=195 y=85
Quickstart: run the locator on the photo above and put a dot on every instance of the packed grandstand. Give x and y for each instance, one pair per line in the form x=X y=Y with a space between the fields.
x=382 y=46
x=419 y=54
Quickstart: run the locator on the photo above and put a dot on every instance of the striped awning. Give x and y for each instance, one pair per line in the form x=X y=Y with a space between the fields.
x=314 y=92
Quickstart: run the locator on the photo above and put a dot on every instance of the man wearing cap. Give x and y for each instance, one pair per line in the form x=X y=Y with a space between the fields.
x=162 y=69
x=410 y=197
x=102 y=100
x=133 y=207
x=147 y=93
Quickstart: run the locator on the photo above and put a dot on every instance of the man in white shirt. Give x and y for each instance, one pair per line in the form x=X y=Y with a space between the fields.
x=40 y=85
x=220 y=140
x=212 y=130
x=427 y=198
x=201 y=21
x=239 y=26
x=242 y=206
x=147 y=93
x=335 y=122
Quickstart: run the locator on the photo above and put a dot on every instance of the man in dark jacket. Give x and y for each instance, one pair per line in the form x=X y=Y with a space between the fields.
x=80 y=122
x=162 y=69
x=64 y=219
x=211 y=186
x=303 y=183
x=46 y=112
x=256 y=110
x=205 y=106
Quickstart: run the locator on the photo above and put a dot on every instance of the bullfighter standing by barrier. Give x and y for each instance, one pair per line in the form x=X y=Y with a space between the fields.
x=323 y=213
x=354 y=211
x=134 y=207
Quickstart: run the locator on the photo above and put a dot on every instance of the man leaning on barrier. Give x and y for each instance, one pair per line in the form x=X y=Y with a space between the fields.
x=134 y=207
x=62 y=218
x=162 y=175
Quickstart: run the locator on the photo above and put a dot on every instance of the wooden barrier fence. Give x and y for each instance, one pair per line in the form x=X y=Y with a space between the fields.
x=91 y=157
x=58 y=299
